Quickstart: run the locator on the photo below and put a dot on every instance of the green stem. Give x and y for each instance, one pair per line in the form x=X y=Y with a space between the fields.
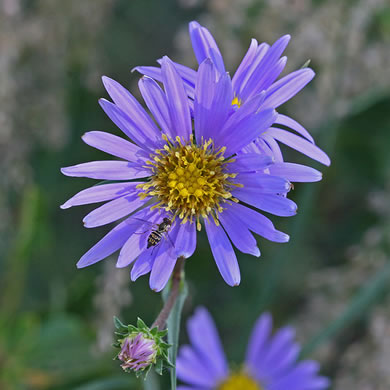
x=177 y=276
x=174 y=297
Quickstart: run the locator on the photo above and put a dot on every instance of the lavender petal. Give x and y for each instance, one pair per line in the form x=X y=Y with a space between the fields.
x=107 y=170
x=300 y=144
x=223 y=253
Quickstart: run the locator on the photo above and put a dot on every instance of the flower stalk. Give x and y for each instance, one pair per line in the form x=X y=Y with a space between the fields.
x=177 y=277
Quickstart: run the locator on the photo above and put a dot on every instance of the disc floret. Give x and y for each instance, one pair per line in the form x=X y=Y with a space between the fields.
x=190 y=180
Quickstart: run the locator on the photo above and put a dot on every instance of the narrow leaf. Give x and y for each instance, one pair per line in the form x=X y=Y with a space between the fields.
x=173 y=325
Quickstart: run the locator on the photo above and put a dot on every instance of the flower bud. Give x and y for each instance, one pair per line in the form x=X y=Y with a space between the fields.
x=141 y=348
x=137 y=352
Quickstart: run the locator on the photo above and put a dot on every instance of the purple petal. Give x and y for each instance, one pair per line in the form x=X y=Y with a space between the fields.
x=285 y=361
x=287 y=87
x=249 y=162
x=113 y=210
x=163 y=266
x=293 y=124
x=114 y=145
x=129 y=104
x=110 y=243
x=204 y=93
x=193 y=369
x=245 y=63
x=185 y=242
x=133 y=247
x=279 y=346
x=145 y=221
x=272 y=145
x=274 y=204
x=205 y=340
x=273 y=73
x=223 y=253
x=256 y=222
x=300 y=144
x=258 y=341
x=204 y=45
x=249 y=108
x=177 y=100
x=241 y=81
x=157 y=103
x=295 y=172
x=263 y=183
x=129 y=127
x=107 y=170
x=188 y=75
x=143 y=264
x=248 y=130
x=239 y=234
x=259 y=146
x=100 y=193
x=215 y=115
x=151 y=71
x=302 y=376
x=264 y=72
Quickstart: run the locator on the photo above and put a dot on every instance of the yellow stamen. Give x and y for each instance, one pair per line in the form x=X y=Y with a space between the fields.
x=239 y=381
x=236 y=101
x=190 y=180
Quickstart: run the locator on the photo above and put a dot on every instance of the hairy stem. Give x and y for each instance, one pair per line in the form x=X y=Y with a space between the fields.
x=174 y=293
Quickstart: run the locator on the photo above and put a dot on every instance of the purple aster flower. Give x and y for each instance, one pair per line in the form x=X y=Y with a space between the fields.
x=270 y=362
x=257 y=72
x=172 y=178
x=137 y=352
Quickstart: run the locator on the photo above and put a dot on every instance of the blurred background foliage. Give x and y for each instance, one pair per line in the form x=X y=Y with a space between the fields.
x=331 y=281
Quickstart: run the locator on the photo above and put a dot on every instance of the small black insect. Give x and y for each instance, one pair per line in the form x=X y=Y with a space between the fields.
x=156 y=235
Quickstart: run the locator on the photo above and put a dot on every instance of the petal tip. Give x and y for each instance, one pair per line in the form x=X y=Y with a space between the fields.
x=80 y=264
x=66 y=205
x=256 y=252
x=65 y=171
x=285 y=238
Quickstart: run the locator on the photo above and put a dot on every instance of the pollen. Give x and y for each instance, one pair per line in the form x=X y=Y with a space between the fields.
x=190 y=181
x=236 y=102
x=239 y=381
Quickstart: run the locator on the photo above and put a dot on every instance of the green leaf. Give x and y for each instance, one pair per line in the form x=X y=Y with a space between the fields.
x=173 y=325
x=159 y=366
x=141 y=324
x=306 y=64
x=118 y=324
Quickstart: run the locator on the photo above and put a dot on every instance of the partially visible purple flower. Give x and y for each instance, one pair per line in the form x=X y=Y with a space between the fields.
x=137 y=352
x=270 y=364
x=258 y=72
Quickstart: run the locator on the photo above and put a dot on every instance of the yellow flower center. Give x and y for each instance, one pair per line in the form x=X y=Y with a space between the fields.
x=189 y=180
x=239 y=381
x=236 y=101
